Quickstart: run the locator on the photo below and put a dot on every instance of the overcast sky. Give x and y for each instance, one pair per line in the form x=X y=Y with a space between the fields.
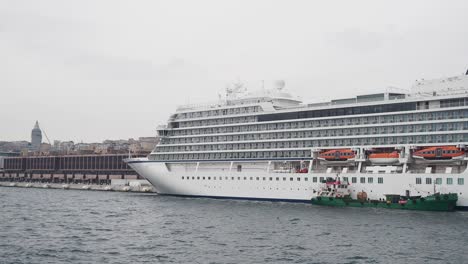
x=95 y=70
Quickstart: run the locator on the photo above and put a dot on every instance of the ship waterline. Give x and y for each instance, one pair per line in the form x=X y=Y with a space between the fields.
x=271 y=146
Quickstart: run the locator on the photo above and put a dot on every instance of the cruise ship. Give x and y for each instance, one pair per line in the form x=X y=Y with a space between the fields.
x=269 y=145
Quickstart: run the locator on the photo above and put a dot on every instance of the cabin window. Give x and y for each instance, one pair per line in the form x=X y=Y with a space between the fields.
x=264 y=178
x=380 y=180
x=232 y=178
x=314 y=179
x=258 y=178
x=438 y=181
x=370 y=180
x=461 y=181
x=271 y=178
x=238 y=178
x=321 y=179
x=251 y=178
x=345 y=179
x=284 y=178
x=449 y=181
x=362 y=179
x=353 y=179
x=306 y=179
x=182 y=177
x=245 y=178
x=277 y=178
x=291 y=179
x=239 y=168
x=418 y=181
x=428 y=180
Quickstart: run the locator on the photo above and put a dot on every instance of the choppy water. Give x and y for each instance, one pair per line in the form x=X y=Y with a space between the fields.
x=59 y=226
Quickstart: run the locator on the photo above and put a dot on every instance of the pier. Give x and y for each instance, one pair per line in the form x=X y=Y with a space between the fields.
x=129 y=186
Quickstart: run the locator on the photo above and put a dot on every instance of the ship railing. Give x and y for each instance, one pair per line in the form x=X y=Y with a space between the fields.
x=333 y=172
x=201 y=106
x=284 y=171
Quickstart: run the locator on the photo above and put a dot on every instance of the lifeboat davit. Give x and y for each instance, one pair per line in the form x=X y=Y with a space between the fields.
x=384 y=158
x=338 y=156
x=439 y=154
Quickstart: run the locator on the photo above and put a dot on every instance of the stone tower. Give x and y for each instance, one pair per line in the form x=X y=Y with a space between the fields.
x=36 y=137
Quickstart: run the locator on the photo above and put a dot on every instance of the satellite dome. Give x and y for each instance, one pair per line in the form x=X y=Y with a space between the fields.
x=279 y=84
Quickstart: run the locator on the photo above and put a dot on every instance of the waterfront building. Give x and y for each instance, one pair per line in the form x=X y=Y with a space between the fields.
x=14 y=146
x=143 y=144
x=65 y=168
x=4 y=155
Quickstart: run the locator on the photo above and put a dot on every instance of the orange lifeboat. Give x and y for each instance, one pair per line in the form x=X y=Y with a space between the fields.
x=384 y=158
x=442 y=153
x=338 y=155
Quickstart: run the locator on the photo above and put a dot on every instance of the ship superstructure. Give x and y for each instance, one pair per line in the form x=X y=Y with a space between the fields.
x=270 y=145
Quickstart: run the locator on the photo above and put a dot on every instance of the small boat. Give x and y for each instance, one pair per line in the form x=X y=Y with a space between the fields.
x=439 y=154
x=337 y=194
x=337 y=155
x=384 y=158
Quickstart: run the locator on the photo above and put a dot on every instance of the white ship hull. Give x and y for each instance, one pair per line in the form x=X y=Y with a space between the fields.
x=244 y=185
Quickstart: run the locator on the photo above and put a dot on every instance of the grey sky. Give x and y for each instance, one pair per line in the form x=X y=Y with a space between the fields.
x=94 y=70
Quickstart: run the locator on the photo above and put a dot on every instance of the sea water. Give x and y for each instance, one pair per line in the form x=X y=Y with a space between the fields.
x=68 y=226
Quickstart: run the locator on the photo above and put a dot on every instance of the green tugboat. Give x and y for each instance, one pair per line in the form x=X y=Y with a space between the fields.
x=336 y=193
